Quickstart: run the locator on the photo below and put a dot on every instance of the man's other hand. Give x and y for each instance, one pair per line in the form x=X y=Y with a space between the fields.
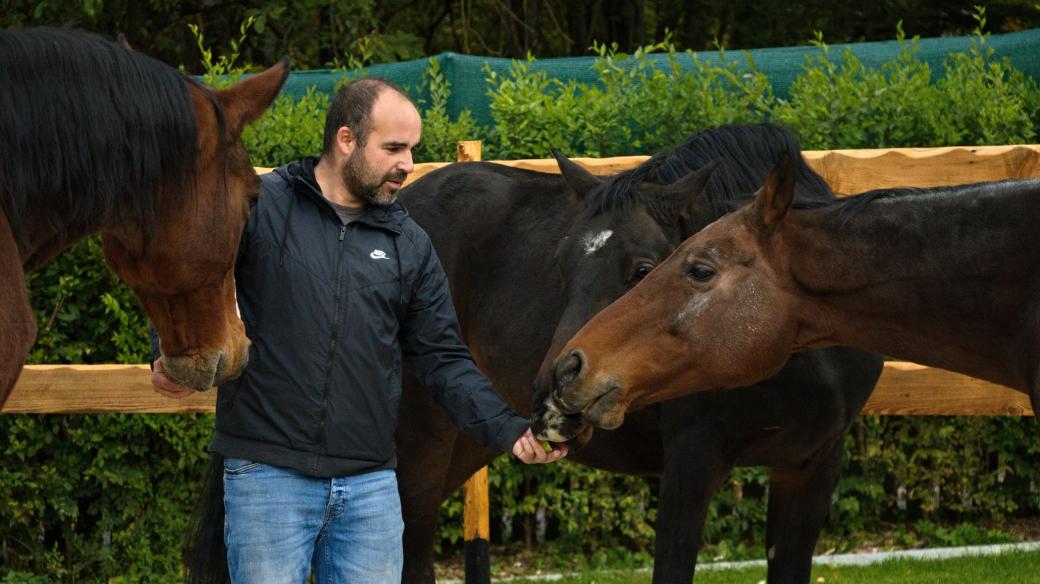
x=530 y=451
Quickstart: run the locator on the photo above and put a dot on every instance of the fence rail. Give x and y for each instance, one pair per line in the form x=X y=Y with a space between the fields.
x=905 y=389
x=854 y=171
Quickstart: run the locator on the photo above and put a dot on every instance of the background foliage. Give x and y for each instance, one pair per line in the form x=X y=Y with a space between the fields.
x=318 y=33
x=91 y=498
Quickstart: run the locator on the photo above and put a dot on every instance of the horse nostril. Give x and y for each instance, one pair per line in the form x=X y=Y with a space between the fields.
x=569 y=368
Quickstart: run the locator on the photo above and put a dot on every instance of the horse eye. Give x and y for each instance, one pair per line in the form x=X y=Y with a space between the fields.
x=701 y=272
x=640 y=273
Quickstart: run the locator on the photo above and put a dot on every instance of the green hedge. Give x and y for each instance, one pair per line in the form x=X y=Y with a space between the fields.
x=92 y=498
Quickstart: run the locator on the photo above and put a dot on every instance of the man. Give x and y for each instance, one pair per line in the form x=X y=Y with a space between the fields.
x=337 y=286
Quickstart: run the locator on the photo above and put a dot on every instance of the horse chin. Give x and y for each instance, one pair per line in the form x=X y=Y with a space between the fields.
x=583 y=437
x=198 y=372
x=607 y=411
x=231 y=367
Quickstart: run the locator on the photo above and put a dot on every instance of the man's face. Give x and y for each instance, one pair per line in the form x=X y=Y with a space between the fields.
x=376 y=171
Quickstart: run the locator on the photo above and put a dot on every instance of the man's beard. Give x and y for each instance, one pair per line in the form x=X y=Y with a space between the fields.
x=355 y=173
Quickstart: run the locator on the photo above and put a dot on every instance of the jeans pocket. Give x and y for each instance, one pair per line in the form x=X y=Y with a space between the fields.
x=239 y=466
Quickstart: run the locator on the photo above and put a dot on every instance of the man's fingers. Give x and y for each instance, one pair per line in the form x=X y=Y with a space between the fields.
x=529 y=454
x=535 y=453
x=530 y=451
x=559 y=451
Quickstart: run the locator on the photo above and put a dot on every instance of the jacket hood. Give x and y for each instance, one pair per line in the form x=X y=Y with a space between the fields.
x=300 y=174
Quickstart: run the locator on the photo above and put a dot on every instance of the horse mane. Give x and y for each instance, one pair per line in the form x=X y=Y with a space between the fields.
x=746 y=153
x=846 y=209
x=91 y=132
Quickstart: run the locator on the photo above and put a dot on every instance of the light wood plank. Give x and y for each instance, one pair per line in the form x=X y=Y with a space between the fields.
x=853 y=171
x=909 y=389
x=85 y=389
x=905 y=389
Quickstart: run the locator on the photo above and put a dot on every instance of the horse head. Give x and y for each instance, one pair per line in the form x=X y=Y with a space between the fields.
x=714 y=314
x=628 y=227
x=182 y=271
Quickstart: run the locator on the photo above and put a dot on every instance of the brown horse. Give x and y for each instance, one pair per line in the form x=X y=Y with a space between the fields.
x=947 y=277
x=99 y=138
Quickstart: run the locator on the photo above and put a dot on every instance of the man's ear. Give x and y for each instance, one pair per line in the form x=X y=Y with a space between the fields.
x=346 y=141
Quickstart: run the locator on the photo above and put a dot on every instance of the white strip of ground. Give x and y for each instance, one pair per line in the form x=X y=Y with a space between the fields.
x=837 y=559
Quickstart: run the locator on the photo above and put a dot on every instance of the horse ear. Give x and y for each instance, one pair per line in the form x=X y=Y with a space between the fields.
x=686 y=191
x=246 y=100
x=576 y=177
x=121 y=39
x=774 y=198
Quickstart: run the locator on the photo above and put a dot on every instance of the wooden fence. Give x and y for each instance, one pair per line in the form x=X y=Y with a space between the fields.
x=904 y=388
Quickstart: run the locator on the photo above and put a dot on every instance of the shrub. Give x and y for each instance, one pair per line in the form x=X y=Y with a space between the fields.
x=439 y=132
x=847 y=105
x=986 y=101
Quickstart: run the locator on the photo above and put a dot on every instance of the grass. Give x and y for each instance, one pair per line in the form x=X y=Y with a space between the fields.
x=1010 y=568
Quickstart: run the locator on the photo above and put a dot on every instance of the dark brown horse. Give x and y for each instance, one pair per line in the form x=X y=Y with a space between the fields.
x=947 y=277
x=531 y=257
x=99 y=138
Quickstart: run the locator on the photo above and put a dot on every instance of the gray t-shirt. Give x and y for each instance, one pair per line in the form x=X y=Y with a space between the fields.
x=348 y=214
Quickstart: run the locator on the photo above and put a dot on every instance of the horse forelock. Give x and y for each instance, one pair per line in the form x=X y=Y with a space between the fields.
x=747 y=153
x=93 y=133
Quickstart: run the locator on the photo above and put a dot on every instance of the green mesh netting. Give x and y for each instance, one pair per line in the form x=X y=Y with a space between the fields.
x=781 y=65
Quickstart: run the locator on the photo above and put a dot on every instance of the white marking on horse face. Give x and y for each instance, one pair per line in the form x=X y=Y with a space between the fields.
x=553 y=420
x=693 y=309
x=594 y=242
x=237 y=308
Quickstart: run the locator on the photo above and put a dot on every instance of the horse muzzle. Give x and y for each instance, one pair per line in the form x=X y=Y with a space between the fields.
x=205 y=370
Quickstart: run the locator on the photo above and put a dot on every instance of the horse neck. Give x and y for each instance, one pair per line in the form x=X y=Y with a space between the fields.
x=47 y=239
x=495 y=236
x=943 y=277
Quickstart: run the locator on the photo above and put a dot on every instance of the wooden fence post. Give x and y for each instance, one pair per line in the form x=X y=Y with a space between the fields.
x=477 y=524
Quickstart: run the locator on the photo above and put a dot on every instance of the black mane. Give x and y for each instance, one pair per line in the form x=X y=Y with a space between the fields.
x=746 y=153
x=90 y=132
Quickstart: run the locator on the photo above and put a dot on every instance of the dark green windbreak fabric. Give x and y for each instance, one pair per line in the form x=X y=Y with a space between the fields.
x=781 y=65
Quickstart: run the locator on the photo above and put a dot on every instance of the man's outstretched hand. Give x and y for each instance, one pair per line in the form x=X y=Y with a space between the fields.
x=530 y=451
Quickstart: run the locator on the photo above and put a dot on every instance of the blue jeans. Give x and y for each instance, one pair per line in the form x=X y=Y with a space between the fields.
x=279 y=524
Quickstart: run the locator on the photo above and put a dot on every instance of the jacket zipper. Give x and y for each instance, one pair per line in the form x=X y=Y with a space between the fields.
x=332 y=342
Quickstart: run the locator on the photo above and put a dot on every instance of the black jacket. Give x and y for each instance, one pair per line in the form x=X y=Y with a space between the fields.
x=331 y=311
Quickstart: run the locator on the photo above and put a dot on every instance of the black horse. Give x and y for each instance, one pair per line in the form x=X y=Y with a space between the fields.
x=531 y=257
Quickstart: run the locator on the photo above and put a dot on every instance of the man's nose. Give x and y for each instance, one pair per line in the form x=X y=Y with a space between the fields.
x=405 y=164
